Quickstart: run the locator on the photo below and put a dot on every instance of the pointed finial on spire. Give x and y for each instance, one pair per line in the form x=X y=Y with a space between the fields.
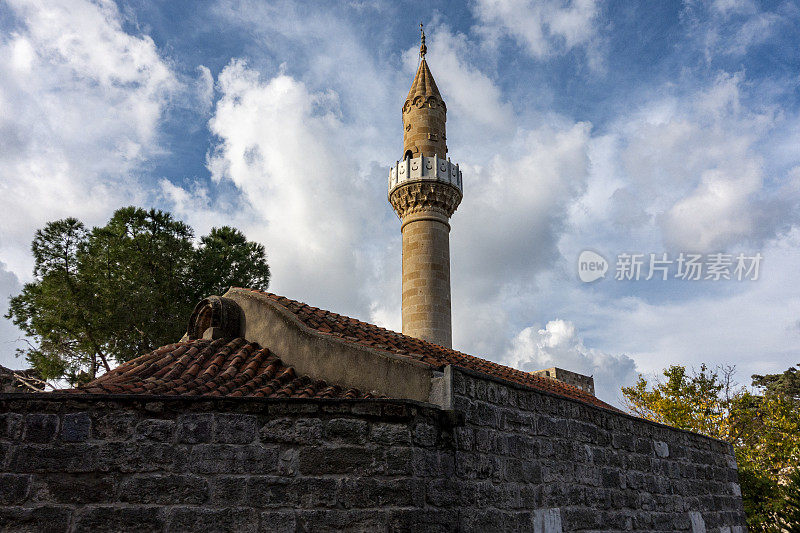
x=422 y=47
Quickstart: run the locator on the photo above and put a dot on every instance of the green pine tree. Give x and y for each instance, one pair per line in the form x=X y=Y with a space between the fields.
x=106 y=295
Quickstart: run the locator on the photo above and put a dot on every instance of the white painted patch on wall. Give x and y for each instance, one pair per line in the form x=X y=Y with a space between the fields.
x=547 y=521
x=698 y=524
x=662 y=448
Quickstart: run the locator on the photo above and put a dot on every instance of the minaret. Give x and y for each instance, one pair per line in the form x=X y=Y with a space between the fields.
x=425 y=190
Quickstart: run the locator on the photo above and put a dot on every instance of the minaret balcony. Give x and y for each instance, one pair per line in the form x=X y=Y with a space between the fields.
x=425 y=169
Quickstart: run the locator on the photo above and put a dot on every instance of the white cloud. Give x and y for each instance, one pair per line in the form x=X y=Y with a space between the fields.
x=10 y=335
x=285 y=147
x=730 y=27
x=717 y=213
x=752 y=324
x=474 y=102
x=80 y=104
x=323 y=48
x=514 y=208
x=688 y=172
x=506 y=231
x=543 y=28
x=559 y=344
x=204 y=87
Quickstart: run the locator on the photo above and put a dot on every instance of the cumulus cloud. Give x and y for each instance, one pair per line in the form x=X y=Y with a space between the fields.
x=286 y=149
x=328 y=53
x=559 y=344
x=689 y=171
x=541 y=27
x=80 y=104
x=506 y=231
x=515 y=207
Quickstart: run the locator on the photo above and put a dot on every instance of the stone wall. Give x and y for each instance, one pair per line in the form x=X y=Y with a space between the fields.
x=506 y=459
x=583 y=468
x=120 y=464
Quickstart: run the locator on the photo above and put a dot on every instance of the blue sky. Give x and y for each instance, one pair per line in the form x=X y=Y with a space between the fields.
x=638 y=127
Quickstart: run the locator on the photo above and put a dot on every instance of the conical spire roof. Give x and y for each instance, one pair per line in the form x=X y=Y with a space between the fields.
x=423 y=85
x=423 y=82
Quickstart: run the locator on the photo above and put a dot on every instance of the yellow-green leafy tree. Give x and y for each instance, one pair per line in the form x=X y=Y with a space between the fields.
x=762 y=424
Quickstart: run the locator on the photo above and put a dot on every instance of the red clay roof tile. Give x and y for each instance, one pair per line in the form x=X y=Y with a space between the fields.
x=223 y=367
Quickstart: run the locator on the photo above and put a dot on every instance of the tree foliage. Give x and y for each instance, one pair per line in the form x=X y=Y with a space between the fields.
x=106 y=295
x=789 y=515
x=762 y=424
x=786 y=383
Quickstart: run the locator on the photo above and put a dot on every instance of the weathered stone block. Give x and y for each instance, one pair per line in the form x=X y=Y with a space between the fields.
x=233 y=459
x=346 y=429
x=277 y=522
x=11 y=426
x=390 y=434
x=428 y=520
x=228 y=491
x=76 y=427
x=40 y=427
x=343 y=460
x=166 y=489
x=341 y=520
x=138 y=456
x=75 y=488
x=552 y=426
x=235 y=428
x=46 y=458
x=289 y=430
x=404 y=461
x=112 y=518
x=14 y=488
x=195 y=428
x=306 y=492
x=115 y=426
x=240 y=519
x=359 y=492
x=44 y=519
x=156 y=429
x=577 y=519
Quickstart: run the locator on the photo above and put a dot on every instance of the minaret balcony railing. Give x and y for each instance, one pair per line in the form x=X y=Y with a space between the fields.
x=425 y=169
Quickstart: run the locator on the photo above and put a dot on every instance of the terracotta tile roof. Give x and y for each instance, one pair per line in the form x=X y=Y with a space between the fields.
x=223 y=367
x=437 y=356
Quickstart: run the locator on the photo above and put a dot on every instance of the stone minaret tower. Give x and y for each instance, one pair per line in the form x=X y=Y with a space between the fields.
x=425 y=190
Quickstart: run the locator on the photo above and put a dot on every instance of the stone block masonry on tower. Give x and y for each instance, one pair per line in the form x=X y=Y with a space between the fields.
x=425 y=189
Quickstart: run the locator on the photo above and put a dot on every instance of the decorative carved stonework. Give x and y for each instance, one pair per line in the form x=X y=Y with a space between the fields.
x=418 y=196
